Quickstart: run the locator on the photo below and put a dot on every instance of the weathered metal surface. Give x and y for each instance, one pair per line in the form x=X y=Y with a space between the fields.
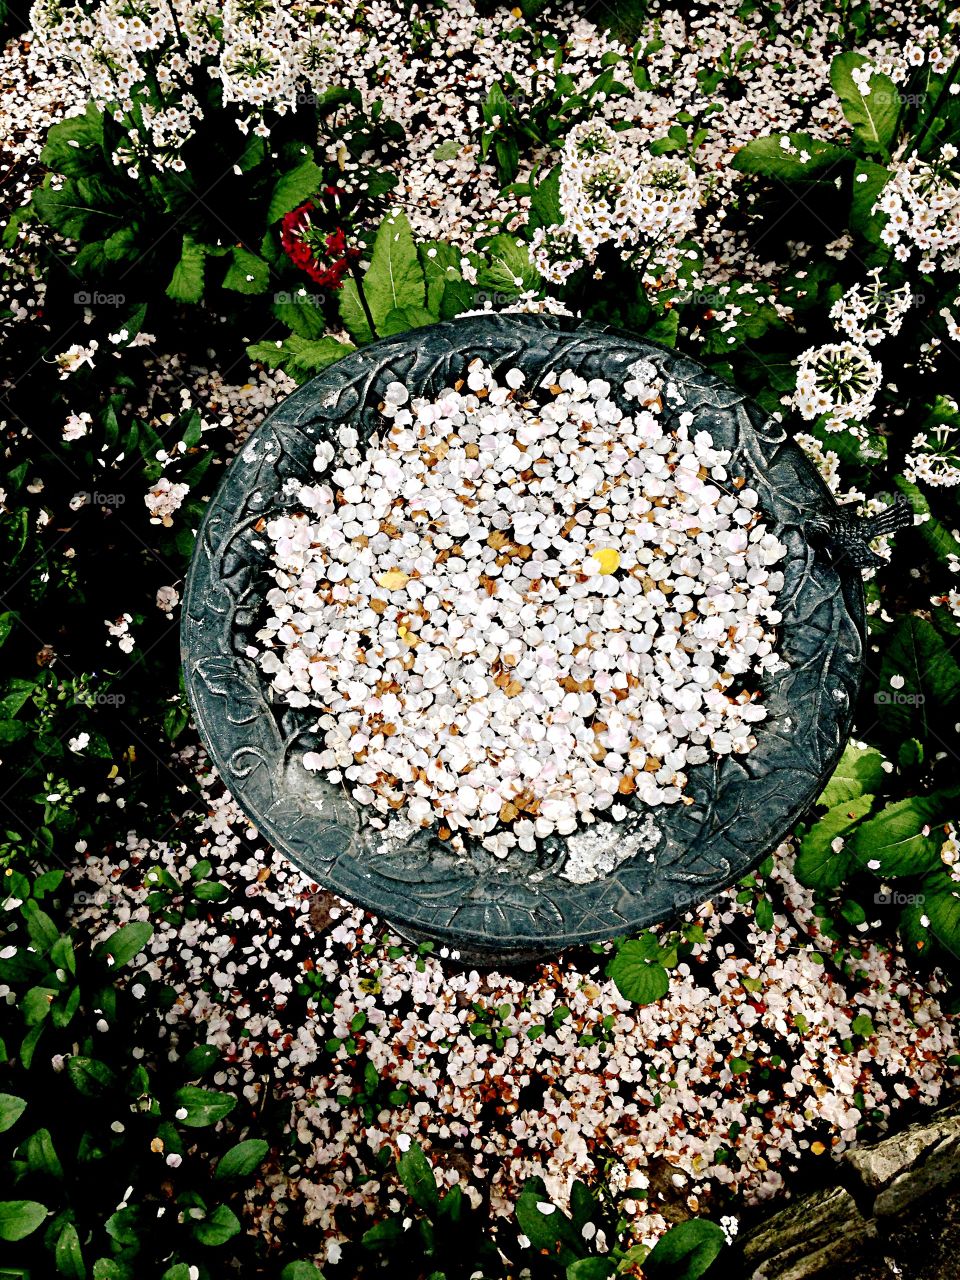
x=498 y=910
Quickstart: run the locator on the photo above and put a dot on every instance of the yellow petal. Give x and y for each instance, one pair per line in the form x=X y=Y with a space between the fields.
x=393 y=578
x=608 y=558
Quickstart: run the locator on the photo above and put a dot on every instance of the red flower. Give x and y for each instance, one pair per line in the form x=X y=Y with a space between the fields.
x=323 y=256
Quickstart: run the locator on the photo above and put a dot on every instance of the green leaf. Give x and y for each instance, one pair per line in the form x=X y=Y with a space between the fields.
x=869 y=179
x=417 y=1176
x=18 y=1218
x=685 y=1251
x=43 y=932
x=873 y=114
x=217 y=1228
x=771 y=158
x=591 y=1269
x=11 y=1109
x=36 y=1004
x=382 y=1234
x=862 y=1025
x=582 y=1203
x=41 y=1156
x=125 y=943
x=247 y=272
x=295 y=187
x=508 y=268
x=352 y=313
x=302 y=1271
x=186 y=283
x=394 y=278
x=895 y=839
x=818 y=864
x=916 y=651
x=203 y=1106
x=68 y=1256
x=210 y=891
x=637 y=977
x=241 y=1160
x=90 y=1077
x=69 y=144
x=545 y=202
x=111 y=1269
x=439 y=262
x=860 y=769
x=548 y=1230
x=764 y=914
x=200 y=1058
x=402 y=319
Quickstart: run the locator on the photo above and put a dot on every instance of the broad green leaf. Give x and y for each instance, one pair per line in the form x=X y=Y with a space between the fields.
x=70 y=143
x=942 y=909
x=860 y=769
x=417 y=1176
x=294 y=188
x=11 y=1109
x=210 y=891
x=638 y=977
x=112 y=1269
x=352 y=313
x=869 y=179
x=302 y=1271
x=90 y=1077
x=43 y=932
x=685 y=1251
x=394 y=278
x=873 y=113
x=125 y=943
x=508 y=269
x=791 y=157
x=203 y=1106
x=545 y=202
x=36 y=1004
x=818 y=864
x=186 y=283
x=247 y=272
x=402 y=319
x=546 y=1226
x=591 y=1269
x=439 y=262
x=895 y=839
x=179 y=1271
x=242 y=1160
x=79 y=209
x=382 y=1234
x=582 y=1203
x=217 y=1228
x=69 y=1257
x=200 y=1059
x=40 y=1154
x=916 y=652
x=18 y=1218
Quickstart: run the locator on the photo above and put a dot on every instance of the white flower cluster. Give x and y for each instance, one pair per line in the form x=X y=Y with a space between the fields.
x=153 y=58
x=934 y=456
x=164 y=499
x=514 y=613
x=839 y=379
x=922 y=204
x=868 y=313
x=612 y=191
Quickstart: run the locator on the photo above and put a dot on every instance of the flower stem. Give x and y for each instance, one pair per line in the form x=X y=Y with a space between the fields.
x=355 y=270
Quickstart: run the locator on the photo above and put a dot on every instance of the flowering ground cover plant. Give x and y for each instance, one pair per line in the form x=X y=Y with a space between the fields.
x=210 y=1065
